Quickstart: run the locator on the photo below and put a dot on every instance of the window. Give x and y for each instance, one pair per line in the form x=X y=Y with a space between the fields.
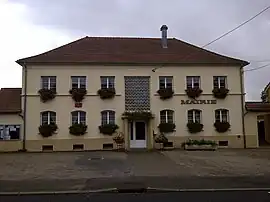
x=78 y=82
x=193 y=81
x=194 y=116
x=48 y=117
x=222 y=115
x=166 y=116
x=107 y=82
x=9 y=132
x=165 y=82
x=78 y=117
x=48 y=82
x=220 y=81
x=107 y=117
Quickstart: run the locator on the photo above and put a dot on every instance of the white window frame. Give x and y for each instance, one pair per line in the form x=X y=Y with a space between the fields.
x=165 y=80
x=194 y=114
x=220 y=114
x=107 y=116
x=49 y=113
x=108 y=80
x=219 y=78
x=192 y=81
x=166 y=115
x=49 y=82
x=79 y=117
x=78 y=78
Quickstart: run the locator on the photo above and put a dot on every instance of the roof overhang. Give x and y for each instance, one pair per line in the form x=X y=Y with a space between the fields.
x=257 y=107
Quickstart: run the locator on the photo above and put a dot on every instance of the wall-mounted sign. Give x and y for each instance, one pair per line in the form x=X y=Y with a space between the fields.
x=78 y=104
x=184 y=102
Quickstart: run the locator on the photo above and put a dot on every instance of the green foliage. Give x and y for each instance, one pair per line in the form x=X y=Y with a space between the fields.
x=46 y=94
x=108 y=129
x=78 y=94
x=78 y=129
x=47 y=130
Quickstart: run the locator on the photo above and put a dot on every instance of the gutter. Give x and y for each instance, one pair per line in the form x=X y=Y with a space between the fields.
x=243 y=106
x=24 y=107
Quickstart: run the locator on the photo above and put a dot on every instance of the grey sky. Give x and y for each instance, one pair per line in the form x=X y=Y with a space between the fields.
x=194 y=21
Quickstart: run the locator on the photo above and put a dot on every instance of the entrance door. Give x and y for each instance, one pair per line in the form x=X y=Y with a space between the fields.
x=137 y=134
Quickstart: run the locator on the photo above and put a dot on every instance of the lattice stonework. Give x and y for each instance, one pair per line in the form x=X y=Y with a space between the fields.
x=137 y=93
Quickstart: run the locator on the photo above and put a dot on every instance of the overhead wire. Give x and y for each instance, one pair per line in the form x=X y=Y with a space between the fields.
x=225 y=34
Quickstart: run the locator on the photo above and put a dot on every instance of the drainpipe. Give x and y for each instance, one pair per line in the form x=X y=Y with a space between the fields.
x=243 y=106
x=24 y=106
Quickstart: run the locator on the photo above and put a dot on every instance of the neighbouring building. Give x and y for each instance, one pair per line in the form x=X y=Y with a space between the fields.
x=90 y=88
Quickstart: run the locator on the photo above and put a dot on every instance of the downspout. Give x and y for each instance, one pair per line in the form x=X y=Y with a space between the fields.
x=24 y=107
x=243 y=106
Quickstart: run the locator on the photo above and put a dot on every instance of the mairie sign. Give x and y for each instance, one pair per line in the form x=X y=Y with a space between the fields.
x=184 y=102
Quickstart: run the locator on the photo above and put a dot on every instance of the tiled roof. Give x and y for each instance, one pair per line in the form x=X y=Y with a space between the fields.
x=10 y=100
x=258 y=107
x=117 y=50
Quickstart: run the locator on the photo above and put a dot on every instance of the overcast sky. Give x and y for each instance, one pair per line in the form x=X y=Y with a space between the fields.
x=30 y=27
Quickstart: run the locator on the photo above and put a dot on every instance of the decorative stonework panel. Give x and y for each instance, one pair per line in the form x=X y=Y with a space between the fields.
x=137 y=93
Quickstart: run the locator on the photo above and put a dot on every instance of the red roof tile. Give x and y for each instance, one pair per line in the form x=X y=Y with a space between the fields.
x=10 y=100
x=117 y=50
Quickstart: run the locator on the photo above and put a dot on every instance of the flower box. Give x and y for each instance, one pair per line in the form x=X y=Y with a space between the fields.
x=46 y=94
x=220 y=93
x=193 y=92
x=77 y=129
x=166 y=127
x=108 y=129
x=165 y=93
x=78 y=94
x=106 y=93
x=200 y=147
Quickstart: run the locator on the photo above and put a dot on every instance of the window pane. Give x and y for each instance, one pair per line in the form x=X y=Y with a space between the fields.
x=189 y=81
x=103 y=118
x=224 y=115
x=83 y=82
x=53 y=81
x=163 y=116
x=45 y=82
x=74 y=116
x=111 y=117
x=197 y=116
x=52 y=117
x=215 y=81
x=75 y=82
x=111 y=81
x=196 y=81
x=170 y=116
x=161 y=82
x=83 y=117
x=190 y=116
x=217 y=115
x=222 y=80
x=103 y=81
x=44 y=118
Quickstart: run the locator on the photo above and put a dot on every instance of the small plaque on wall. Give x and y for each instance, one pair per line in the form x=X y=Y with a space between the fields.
x=78 y=104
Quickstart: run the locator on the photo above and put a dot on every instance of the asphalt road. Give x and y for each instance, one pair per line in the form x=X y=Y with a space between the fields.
x=157 y=182
x=218 y=196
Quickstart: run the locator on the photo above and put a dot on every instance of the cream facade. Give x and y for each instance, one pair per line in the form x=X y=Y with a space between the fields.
x=63 y=105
